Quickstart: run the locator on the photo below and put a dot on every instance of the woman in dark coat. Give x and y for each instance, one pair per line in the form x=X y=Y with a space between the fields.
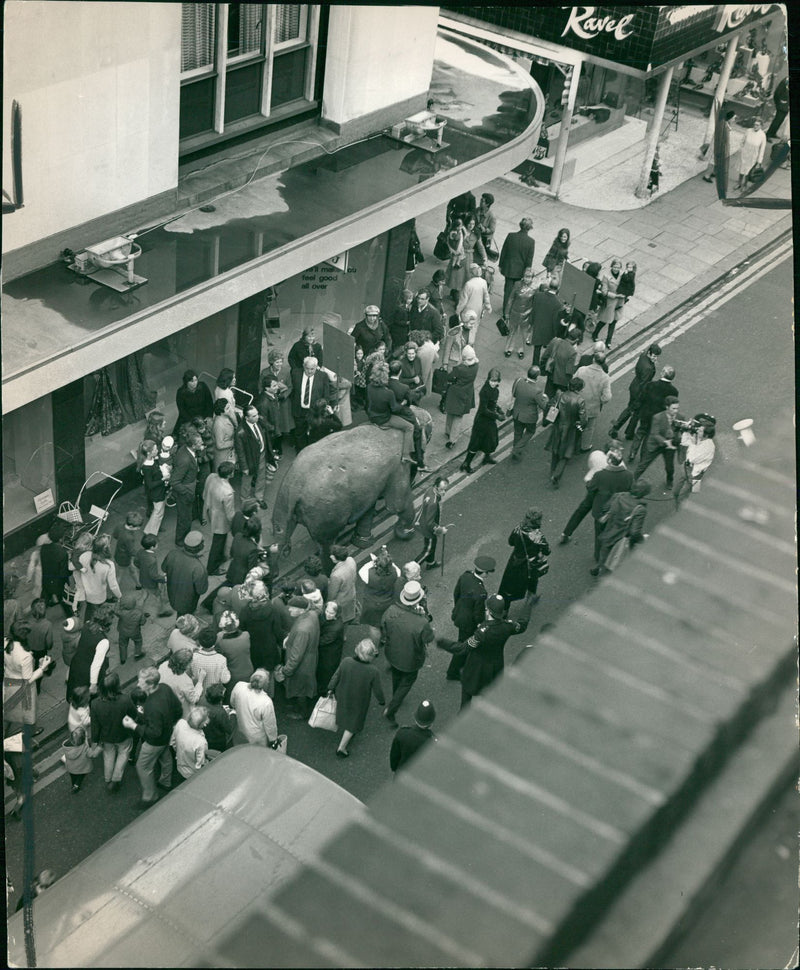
x=264 y=623
x=530 y=551
x=377 y=594
x=565 y=434
x=331 y=644
x=355 y=681
x=306 y=346
x=274 y=404
x=322 y=422
x=411 y=370
x=484 y=435
x=460 y=397
x=194 y=400
x=400 y=318
x=558 y=253
x=245 y=552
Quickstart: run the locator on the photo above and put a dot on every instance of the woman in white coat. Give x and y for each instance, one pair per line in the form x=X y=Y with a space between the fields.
x=752 y=153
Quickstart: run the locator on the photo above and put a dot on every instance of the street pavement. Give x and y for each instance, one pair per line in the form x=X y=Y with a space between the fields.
x=717 y=371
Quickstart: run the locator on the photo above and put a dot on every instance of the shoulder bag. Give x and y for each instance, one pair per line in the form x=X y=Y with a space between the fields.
x=492 y=252
x=552 y=410
x=441 y=250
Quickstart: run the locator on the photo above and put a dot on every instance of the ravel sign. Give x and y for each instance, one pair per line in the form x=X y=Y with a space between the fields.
x=641 y=38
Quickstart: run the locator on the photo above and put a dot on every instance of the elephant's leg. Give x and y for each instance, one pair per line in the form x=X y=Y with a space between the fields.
x=404 y=527
x=363 y=533
x=285 y=539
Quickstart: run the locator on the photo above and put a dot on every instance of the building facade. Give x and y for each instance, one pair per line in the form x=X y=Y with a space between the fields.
x=257 y=161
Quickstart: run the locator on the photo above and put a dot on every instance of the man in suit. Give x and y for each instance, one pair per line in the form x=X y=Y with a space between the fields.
x=311 y=386
x=218 y=504
x=596 y=393
x=424 y=316
x=255 y=455
x=515 y=257
x=529 y=399
x=653 y=397
x=644 y=372
x=661 y=441
x=469 y=607
x=546 y=309
x=563 y=353
x=183 y=484
x=615 y=477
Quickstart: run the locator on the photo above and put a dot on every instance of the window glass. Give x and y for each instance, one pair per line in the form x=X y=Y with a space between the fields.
x=290 y=22
x=288 y=76
x=198 y=22
x=245 y=31
x=28 y=461
x=118 y=397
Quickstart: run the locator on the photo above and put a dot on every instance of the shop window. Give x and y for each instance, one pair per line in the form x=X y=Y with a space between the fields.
x=29 y=460
x=118 y=398
x=239 y=61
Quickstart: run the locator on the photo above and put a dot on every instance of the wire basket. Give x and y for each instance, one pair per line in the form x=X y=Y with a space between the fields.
x=70 y=513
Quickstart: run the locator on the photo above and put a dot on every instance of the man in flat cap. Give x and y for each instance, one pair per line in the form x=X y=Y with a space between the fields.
x=371 y=331
x=469 y=607
x=187 y=578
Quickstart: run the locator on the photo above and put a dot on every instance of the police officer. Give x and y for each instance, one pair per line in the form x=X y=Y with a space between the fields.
x=469 y=607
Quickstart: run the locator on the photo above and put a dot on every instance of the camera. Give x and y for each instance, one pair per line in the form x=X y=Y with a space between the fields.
x=701 y=420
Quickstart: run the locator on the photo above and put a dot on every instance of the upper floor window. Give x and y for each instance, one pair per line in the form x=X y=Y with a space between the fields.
x=240 y=62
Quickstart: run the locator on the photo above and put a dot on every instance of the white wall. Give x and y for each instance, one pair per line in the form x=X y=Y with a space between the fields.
x=98 y=86
x=377 y=56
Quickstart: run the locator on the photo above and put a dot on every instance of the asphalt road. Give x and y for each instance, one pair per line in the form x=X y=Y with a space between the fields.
x=735 y=362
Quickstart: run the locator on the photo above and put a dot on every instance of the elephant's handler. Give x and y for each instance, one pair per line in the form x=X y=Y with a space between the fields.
x=384 y=411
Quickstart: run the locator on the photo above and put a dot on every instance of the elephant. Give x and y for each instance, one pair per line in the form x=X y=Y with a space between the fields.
x=334 y=485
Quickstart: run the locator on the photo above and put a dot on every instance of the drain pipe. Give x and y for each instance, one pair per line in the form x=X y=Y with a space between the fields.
x=654 y=133
x=719 y=96
x=563 y=134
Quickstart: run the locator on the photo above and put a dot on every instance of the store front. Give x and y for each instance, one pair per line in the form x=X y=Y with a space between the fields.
x=598 y=66
x=99 y=420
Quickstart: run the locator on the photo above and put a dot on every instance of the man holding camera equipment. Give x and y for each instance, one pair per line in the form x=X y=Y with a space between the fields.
x=661 y=441
x=697 y=441
x=651 y=403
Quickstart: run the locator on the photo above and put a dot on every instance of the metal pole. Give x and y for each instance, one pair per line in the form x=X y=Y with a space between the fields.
x=722 y=87
x=563 y=132
x=655 y=131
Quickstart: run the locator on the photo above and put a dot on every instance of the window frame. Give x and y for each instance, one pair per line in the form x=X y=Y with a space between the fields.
x=309 y=39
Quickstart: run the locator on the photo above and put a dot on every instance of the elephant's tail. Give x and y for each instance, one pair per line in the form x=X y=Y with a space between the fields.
x=281 y=510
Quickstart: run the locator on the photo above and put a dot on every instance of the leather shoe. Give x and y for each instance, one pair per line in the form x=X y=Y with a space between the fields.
x=432 y=565
x=390 y=718
x=707 y=178
x=564 y=539
x=262 y=505
x=450 y=445
x=342 y=754
x=488 y=460
x=595 y=570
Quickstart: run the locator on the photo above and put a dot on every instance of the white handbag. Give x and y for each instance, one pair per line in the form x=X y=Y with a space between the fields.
x=324 y=714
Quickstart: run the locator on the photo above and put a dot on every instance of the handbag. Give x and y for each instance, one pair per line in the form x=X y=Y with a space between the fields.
x=280 y=744
x=755 y=174
x=502 y=326
x=552 y=410
x=324 y=714
x=492 y=252
x=441 y=250
x=439 y=380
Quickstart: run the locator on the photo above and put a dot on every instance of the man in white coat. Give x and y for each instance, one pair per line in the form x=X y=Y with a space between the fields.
x=475 y=297
x=218 y=505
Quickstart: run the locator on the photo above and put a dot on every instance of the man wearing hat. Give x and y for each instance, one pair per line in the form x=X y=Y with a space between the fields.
x=484 y=649
x=469 y=607
x=187 y=578
x=409 y=740
x=405 y=633
x=299 y=670
x=371 y=331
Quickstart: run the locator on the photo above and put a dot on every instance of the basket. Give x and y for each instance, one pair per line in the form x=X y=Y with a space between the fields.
x=69 y=513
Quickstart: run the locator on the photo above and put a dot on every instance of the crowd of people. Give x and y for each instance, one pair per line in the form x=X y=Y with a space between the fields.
x=260 y=638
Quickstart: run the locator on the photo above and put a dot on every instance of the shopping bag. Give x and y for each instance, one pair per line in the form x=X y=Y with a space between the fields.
x=324 y=714
x=440 y=380
x=280 y=744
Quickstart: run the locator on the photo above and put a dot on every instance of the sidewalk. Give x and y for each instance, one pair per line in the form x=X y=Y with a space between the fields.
x=682 y=242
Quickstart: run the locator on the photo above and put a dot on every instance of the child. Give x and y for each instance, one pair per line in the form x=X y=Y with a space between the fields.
x=129 y=625
x=138 y=697
x=152 y=579
x=71 y=630
x=40 y=639
x=78 y=714
x=165 y=456
x=627 y=282
x=655 y=174
x=127 y=536
x=76 y=758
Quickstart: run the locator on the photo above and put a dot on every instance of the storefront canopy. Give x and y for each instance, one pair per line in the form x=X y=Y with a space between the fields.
x=635 y=39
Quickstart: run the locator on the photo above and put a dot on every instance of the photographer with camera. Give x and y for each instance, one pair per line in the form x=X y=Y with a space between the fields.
x=698 y=450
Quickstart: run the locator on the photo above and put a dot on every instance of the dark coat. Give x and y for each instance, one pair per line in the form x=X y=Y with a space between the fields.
x=298 y=353
x=516 y=255
x=354 y=683
x=55 y=569
x=485 y=653
x=653 y=396
x=376 y=596
x=399 y=324
x=245 y=554
x=267 y=630
x=461 y=389
x=331 y=644
x=428 y=319
x=484 y=435
x=368 y=339
x=247 y=447
x=604 y=484
x=300 y=666
x=644 y=372
x=545 y=313
x=406 y=743
x=107 y=715
x=429 y=513
x=80 y=668
x=183 y=480
x=321 y=390
x=406 y=632
x=565 y=435
x=236 y=650
x=469 y=604
x=187 y=580
x=193 y=404
x=517 y=577
x=409 y=369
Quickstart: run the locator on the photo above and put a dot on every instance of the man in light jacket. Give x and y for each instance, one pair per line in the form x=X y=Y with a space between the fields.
x=529 y=399
x=596 y=392
x=219 y=509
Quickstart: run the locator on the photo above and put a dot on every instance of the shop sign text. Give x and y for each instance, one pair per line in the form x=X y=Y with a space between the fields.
x=731 y=16
x=583 y=23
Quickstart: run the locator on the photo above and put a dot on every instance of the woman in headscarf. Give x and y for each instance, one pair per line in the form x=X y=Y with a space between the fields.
x=460 y=396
